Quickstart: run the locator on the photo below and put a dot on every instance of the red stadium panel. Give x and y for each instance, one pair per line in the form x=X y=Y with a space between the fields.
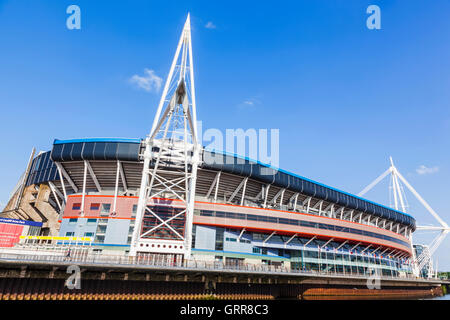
x=9 y=234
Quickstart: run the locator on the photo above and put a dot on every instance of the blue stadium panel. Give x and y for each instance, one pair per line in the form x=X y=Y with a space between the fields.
x=215 y=160
x=96 y=149
x=42 y=169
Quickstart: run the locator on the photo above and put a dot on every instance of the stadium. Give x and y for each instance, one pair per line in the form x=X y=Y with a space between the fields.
x=239 y=214
x=167 y=198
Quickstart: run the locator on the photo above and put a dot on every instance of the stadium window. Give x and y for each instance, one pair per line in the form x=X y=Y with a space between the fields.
x=106 y=208
x=34 y=231
x=258 y=236
x=89 y=234
x=101 y=228
x=272 y=219
x=76 y=206
x=219 y=239
x=95 y=206
x=91 y=221
x=256 y=250
x=73 y=220
x=194 y=232
x=100 y=239
x=276 y=238
x=220 y=214
x=207 y=213
x=240 y=216
x=70 y=234
x=134 y=210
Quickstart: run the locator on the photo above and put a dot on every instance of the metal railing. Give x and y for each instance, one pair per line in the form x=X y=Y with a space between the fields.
x=82 y=256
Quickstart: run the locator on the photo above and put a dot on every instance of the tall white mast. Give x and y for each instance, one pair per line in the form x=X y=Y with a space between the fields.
x=425 y=258
x=171 y=155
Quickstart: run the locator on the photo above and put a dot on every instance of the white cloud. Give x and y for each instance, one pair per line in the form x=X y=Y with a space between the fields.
x=150 y=82
x=250 y=102
x=210 y=25
x=425 y=170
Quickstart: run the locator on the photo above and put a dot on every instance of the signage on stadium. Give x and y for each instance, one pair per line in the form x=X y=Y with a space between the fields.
x=22 y=222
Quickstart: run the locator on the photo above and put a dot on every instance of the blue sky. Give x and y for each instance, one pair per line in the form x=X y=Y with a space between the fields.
x=344 y=97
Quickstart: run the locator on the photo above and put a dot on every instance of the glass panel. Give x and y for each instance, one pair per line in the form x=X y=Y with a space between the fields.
x=106 y=208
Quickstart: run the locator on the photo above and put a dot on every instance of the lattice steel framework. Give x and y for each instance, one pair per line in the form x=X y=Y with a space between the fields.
x=170 y=163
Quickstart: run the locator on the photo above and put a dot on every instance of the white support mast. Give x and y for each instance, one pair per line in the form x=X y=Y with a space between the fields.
x=397 y=190
x=171 y=156
x=425 y=258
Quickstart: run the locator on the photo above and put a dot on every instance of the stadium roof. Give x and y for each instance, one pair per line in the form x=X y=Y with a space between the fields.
x=128 y=150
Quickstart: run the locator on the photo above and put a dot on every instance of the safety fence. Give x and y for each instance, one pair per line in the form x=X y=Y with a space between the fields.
x=83 y=256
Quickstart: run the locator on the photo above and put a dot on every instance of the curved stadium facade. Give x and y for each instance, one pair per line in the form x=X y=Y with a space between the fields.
x=244 y=212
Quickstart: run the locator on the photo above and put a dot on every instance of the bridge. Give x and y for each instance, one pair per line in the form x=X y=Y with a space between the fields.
x=44 y=276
